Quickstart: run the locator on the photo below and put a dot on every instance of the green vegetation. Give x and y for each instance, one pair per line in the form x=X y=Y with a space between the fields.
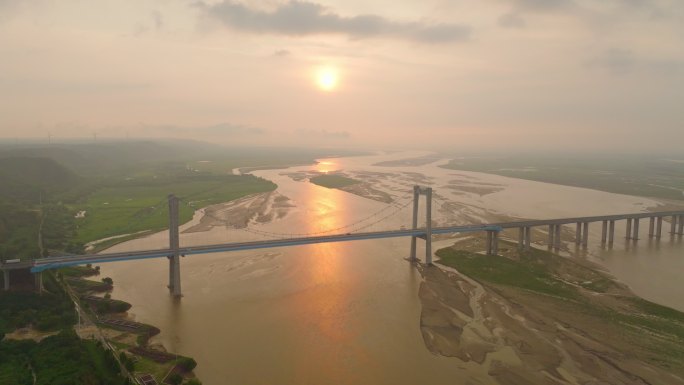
x=121 y=187
x=651 y=177
x=529 y=272
x=50 y=311
x=333 y=181
x=28 y=179
x=18 y=231
x=63 y=359
x=187 y=363
x=60 y=359
x=139 y=204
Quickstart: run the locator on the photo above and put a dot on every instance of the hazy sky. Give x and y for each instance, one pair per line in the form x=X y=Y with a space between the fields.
x=568 y=74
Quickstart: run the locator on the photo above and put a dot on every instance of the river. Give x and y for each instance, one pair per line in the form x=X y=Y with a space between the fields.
x=349 y=313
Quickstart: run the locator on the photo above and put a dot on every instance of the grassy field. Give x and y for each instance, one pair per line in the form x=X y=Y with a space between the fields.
x=333 y=181
x=650 y=177
x=141 y=204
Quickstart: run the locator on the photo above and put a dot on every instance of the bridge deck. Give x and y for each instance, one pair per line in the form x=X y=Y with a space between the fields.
x=62 y=261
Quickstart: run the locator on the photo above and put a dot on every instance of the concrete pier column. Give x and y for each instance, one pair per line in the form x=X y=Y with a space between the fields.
x=673 y=225
x=659 y=227
x=681 y=225
x=611 y=232
x=495 y=243
x=428 y=226
x=629 y=229
x=651 y=227
x=551 y=232
x=6 y=279
x=488 y=243
x=635 y=234
x=578 y=233
x=557 y=237
x=528 y=237
x=585 y=234
x=414 y=222
x=604 y=232
x=174 y=245
x=521 y=237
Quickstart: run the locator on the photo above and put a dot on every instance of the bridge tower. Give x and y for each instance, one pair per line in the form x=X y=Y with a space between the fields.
x=417 y=192
x=174 y=245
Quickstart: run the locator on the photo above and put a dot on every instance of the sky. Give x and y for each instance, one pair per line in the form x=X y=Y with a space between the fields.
x=605 y=75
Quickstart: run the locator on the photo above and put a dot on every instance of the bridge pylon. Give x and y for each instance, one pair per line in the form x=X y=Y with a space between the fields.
x=417 y=192
x=174 y=246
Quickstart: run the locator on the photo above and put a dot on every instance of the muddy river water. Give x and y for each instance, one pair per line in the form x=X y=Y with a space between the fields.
x=349 y=313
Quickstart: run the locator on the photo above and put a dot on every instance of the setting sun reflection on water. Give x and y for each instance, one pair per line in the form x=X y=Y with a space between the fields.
x=326 y=166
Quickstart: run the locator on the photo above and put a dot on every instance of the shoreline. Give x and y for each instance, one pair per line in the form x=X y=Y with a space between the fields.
x=107 y=319
x=560 y=329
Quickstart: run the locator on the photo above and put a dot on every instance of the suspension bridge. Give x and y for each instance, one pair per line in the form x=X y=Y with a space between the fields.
x=174 y=252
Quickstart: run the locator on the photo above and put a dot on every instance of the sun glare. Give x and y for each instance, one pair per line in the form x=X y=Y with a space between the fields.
x=327 y=78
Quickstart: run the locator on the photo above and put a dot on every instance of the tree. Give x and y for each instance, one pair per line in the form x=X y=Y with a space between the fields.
x=187 y=363
x=108 y=280
x=175 y=379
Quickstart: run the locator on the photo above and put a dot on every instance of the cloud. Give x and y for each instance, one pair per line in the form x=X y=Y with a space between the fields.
x=614 y=60
x=301 y=18
x=542 y=5
x=512 y=20
x=282 y=53
x=622 y=61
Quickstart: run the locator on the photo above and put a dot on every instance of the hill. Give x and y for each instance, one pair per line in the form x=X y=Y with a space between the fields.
x=27 y=179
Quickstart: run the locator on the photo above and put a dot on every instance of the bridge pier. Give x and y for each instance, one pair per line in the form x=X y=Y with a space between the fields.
x=551 y=236
x=659 y=227
x=604 y=232
x=174 y=245
x=651 y=227
x=585 y=234
x=6 y=279
x=492 y=246
x=578 y=233
x=611 y=232
x=628 y=234
x=524 y=238
x=673 y=225
x=681 y=225
x=557 y=238
x=635 y=234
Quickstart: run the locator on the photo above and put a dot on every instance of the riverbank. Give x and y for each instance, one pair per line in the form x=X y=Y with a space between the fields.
x=535 y=317
x=104 y=319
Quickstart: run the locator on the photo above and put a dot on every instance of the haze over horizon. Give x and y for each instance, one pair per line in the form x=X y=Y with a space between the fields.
x=573 y=74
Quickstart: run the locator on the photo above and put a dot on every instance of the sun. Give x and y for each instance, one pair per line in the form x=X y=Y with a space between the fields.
x=327 y=78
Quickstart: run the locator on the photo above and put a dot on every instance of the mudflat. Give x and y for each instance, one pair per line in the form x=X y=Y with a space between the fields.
x=539 y=318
